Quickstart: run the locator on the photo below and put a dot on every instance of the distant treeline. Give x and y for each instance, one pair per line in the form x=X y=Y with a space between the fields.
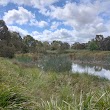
x=12 y=42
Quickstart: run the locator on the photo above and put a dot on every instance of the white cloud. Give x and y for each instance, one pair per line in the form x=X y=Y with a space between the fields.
x=42 y=3
x=18 y=29
x=84 y=18
x=63 y=35
x=35 y=3
x=38 y=24
x=87 y=18
x=60 y=35
x=4 y=2
x=20 y=16
x=42 y=24
x=55 y=25
x=78 y=14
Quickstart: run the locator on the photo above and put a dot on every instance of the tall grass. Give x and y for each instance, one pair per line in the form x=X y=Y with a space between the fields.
x=24 y=58
x=10 y=98
x=91 y=101
x=56 y=63
x=31 y=89
x=91 y=56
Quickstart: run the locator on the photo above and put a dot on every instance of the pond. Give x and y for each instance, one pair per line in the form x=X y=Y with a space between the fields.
x=59 y=63
x=98 y=70
x=62 y=63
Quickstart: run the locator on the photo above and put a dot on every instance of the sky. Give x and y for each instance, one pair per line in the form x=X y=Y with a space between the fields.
x=63 y=20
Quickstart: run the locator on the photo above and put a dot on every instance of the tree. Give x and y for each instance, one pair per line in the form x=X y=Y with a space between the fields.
x=39 y=47
x=16 y=41
x=105 y=44
x=30 y=42
x=55 y=45
x=4 y=33
x=46 y=45
x=99 y=37
x=78 y=45
x=64 y=46
x=6 y=50
x=93 y=46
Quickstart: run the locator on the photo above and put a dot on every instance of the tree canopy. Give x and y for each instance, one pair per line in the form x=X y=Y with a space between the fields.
x=12 y=42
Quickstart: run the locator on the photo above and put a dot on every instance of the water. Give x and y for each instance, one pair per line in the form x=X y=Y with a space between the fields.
x=64 y=64
x=98 y=70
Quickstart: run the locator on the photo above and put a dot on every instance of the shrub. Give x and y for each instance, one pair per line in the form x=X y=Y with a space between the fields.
x=7 y=52
x=56 y=63
x=93 y=46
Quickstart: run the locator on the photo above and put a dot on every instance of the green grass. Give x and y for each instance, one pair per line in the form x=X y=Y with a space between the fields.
x=10 y=98
x=32 y=89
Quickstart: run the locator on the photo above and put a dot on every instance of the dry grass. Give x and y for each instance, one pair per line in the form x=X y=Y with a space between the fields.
x=85 y=55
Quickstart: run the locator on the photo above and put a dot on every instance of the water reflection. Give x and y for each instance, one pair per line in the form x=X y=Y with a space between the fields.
x=98 y=70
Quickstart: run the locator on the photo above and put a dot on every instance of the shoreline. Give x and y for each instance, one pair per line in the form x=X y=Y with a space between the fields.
x=102 y=63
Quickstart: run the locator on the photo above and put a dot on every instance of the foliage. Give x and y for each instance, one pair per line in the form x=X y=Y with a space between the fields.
x=27 y=44
x=55 y=45
x=93 y=46
x=7 y=52
x=4 y=33
x=78 y=46
x=16 y=42
x=46 y=45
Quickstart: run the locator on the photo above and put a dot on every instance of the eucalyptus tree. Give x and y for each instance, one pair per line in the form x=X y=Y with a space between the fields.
x=30 y=42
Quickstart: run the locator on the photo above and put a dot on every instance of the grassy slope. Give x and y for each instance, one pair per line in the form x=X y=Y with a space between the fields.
x=32 y=89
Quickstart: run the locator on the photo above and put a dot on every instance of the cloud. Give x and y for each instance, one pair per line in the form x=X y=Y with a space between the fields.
x=19 y=30
x=42 y=3
x=35 y=3
x=63 y=35
x=83 y=17
x=86 y=17
x=79 y=14
x=60 y=35
x=4 y=2
x=41 y=24
x=20 y=16
x=55 y=25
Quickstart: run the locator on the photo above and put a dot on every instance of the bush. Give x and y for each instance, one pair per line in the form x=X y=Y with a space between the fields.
x=93 y=46
x=7 y=52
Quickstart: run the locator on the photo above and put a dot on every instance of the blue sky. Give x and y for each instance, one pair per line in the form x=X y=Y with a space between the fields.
x=64 y=20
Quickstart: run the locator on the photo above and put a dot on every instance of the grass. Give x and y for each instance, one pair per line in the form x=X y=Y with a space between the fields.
x=86 y=56
x=10 y=98
x=32 y=89
x=90 y=56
